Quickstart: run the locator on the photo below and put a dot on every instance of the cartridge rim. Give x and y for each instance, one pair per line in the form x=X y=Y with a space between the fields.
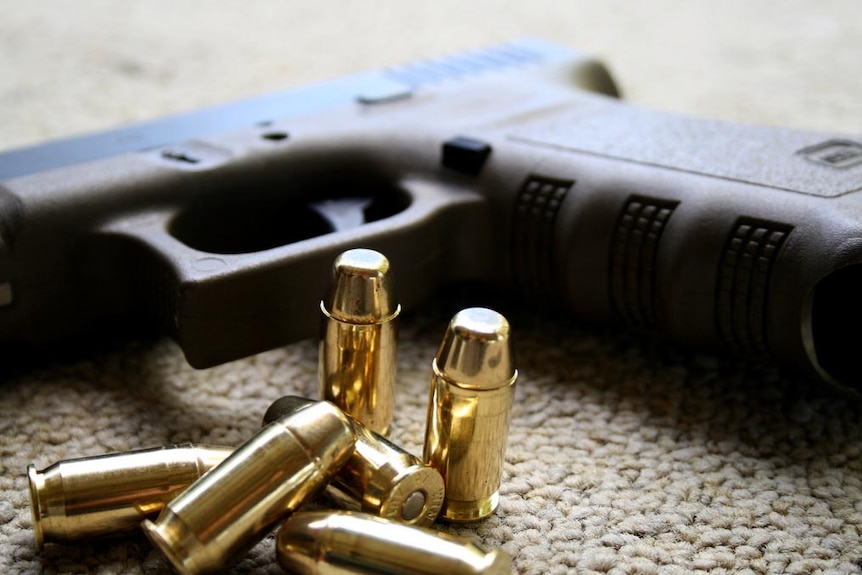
x=455 y=511
x=36 y=482
x=162 y=540
x=416 y=479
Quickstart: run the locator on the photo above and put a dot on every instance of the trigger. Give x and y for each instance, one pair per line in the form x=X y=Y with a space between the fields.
x=343 y=213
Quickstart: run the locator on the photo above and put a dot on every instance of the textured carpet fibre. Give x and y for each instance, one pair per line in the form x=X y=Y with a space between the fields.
x=626 y=455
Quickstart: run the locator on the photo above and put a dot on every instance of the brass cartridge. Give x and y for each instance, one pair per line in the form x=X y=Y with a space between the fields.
x=379 y=478
x=111 y=494
x=234 y=506
x=472 y=390
x=348 y=543
x=358 y=338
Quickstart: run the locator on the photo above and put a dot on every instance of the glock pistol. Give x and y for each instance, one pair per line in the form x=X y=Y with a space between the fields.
x=517 y=165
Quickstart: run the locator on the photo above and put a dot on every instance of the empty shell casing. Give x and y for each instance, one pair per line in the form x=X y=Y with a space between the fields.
x=358 y=338
x=233 y=507
x=472 y=390
x=111 y=494
x=342 y=543
x=379 y=478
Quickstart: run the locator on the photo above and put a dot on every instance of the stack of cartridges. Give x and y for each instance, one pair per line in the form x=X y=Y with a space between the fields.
x=204 y=506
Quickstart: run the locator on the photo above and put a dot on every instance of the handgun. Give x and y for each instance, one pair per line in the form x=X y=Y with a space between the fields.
x=516 y=166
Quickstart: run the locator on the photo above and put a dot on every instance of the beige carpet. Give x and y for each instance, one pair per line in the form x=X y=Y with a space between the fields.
x=625 y=455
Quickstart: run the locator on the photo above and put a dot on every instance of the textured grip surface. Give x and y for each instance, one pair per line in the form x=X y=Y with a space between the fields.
x=634 y=251
x=744 y=283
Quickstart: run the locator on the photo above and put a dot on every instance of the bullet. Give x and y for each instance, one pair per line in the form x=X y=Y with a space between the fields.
x=379 y=478
x=342 y=543
x=230 y=509
x=472 y=390
x=358 y=338
x=111 y=494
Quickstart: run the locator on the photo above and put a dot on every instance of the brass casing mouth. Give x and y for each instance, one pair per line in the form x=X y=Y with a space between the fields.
x=111 y=494
x=358 y=338
x=234 y=506
x=338 y=543
x=472 y=392
x=379 y=478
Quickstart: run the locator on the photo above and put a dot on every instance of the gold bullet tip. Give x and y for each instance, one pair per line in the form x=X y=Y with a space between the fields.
x=362 y=288
x=476 y=350
x=285 y=405
x=480 y=323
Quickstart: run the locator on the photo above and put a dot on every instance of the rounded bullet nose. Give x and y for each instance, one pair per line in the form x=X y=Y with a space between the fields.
x=286 y=405
x=362 y=288
x=476 y=350
x=480 y=323
x=499 y=564
x=297 y=547
x=362 y=263
x=324 y=430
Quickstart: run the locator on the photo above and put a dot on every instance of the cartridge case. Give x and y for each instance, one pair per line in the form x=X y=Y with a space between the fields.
x=348 y=543
x=358 y=338
x=379 y=478
x=111 y=494
x=234 y=506
x=472 y=390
